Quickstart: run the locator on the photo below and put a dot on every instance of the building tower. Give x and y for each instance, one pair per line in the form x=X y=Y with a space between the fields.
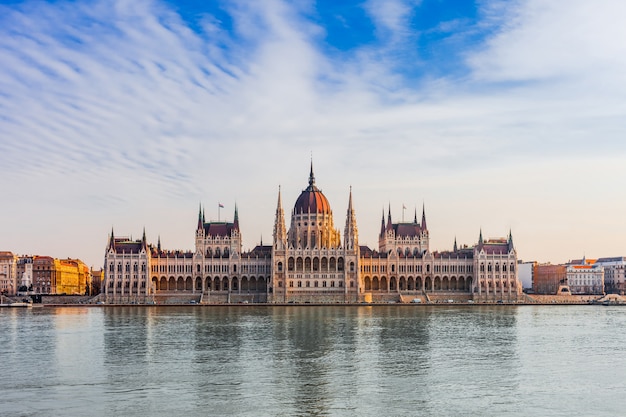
x=309 y=261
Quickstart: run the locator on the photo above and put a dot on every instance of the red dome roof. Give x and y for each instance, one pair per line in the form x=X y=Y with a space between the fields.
x=312 y=199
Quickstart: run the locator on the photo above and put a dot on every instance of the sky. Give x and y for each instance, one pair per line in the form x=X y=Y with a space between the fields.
x=493 y=115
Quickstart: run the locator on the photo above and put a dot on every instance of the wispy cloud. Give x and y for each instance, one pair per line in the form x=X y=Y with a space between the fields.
x=126 y=107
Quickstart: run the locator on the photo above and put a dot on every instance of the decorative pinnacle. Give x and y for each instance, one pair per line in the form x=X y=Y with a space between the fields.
x=311 y=176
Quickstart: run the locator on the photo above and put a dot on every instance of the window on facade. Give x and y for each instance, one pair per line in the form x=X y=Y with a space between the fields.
x=291 y=283
x=315 y=284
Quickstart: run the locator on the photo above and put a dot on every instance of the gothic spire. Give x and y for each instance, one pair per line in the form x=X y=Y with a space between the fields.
x=480 y=237
x=200 y=217
x=280 y=232
x=510 y=241
x=351 y=234
x=424 y=227
x=236 y=219
x=415 y=217
x=311 y=176
x=382 y=226
x=112 y=240
x=455 y=247
x=159 y=244
x=389 y=223
x=143 y=237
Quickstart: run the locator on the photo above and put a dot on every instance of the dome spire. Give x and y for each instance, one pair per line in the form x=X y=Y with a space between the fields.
x=311 y=176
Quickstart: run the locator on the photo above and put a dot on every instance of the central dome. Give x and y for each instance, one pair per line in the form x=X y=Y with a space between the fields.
x=312 y=200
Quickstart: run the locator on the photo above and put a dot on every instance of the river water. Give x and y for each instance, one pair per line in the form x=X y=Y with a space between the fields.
x=313 y=361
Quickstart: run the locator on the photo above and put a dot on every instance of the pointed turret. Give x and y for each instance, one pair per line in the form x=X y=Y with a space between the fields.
x=144 y=243
x=311 y=176
x=200 y=222
x=510 y=241
x=236 y=219
x=382 y=226
x=480 y=237
x=159 y=244
x=424 y=227
x=112 y=240
x=351 y=234
x=389 y=223
x=280 y=232
x=455 y=247
x=415 y=217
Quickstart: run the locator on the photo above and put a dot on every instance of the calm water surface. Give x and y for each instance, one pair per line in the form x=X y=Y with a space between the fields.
x=307 y=360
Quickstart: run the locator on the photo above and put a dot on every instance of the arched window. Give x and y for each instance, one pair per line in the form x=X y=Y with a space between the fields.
x=280 y=266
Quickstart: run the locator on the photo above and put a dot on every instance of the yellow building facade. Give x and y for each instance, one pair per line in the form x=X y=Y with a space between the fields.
x=72 y=276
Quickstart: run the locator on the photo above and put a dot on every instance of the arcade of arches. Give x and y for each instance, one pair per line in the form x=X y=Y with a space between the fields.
x=244 y=284
x=428 y=283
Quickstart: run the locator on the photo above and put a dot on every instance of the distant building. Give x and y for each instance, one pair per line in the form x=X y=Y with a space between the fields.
x=8 y=273
x=310 y=262
x=547 y=278
x=585 y=277
x=97 y=277
x=525 y=274
x=25 y=273
x=71 y=276
x=44 y=276
x=614 y=273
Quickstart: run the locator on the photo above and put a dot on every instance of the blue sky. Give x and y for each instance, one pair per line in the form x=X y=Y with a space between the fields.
x=494 y=114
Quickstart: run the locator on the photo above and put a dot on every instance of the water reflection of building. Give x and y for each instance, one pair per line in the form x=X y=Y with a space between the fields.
x=309 y=262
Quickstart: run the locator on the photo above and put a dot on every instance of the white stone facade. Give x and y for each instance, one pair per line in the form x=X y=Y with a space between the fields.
x=585 y=279
x=309 y=262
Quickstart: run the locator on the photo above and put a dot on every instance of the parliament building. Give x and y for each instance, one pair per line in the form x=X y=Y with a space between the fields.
x=309 y=262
